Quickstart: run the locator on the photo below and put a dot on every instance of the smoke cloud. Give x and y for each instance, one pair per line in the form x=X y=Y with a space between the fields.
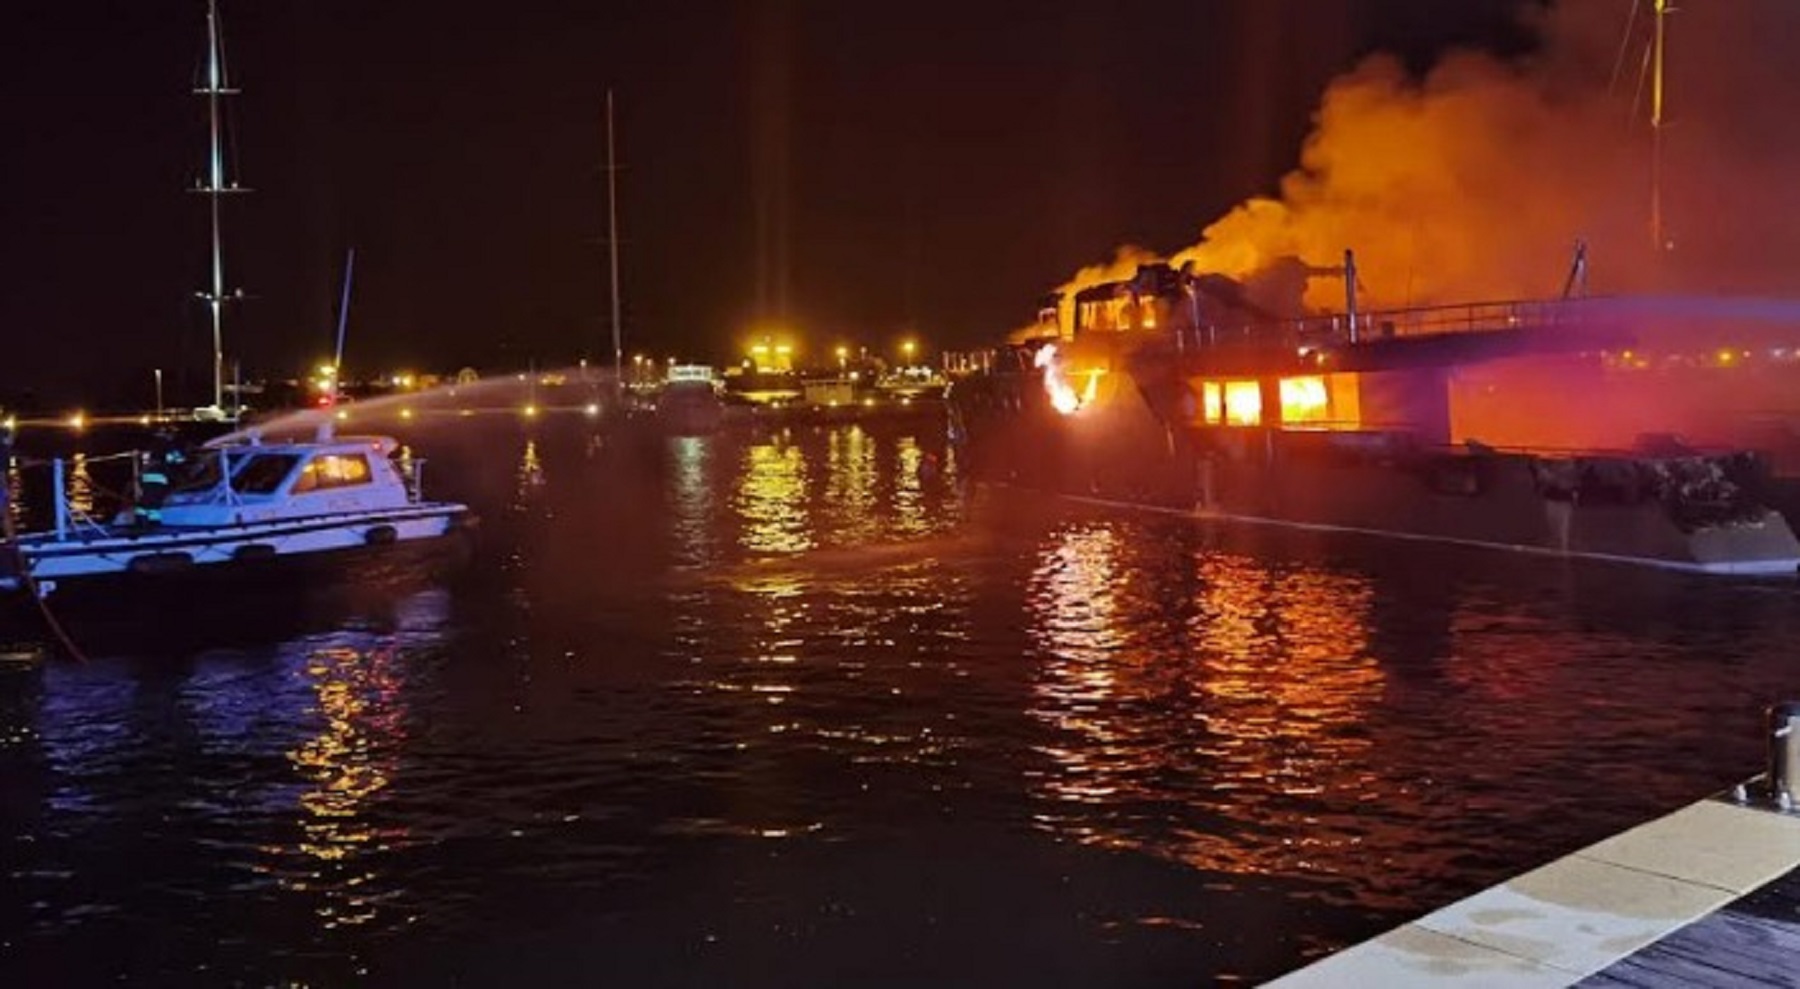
x=1475 y=180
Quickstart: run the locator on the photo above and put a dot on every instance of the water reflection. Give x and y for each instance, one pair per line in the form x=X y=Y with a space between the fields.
x=691 y=496
x=529 y=477
x=771 y=501
x=357 y=697
x=80 y=486
x=850 y=483
x=15 y=492
x=1196 y=702
x=913 y=467
x=1285 y=682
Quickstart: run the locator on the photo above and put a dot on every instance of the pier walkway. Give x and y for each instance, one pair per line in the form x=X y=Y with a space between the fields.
x=1706 y=896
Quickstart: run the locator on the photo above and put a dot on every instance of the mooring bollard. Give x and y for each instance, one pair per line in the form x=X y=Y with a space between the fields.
x=1784 y=754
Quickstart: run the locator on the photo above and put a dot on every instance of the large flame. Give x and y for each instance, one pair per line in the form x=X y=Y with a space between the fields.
x=1063 y=396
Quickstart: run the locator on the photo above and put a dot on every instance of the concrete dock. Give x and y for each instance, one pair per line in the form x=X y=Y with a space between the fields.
x=1706 y=896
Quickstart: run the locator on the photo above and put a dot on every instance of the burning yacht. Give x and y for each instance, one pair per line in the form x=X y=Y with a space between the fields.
x=1187 y=390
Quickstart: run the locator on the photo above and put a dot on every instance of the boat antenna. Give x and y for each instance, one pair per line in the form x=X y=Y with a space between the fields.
x=215 y=87
x=612 y=243
x=1658 y=234
x=337 y=358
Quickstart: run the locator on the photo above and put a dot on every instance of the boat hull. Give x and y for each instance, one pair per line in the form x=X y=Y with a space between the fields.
x=1122 y=450
x=113 y=558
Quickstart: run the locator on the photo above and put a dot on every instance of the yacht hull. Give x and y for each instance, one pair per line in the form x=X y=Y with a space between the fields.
x=1122 y=449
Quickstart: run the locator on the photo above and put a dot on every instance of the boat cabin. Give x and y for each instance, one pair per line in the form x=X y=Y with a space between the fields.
x=258 y=482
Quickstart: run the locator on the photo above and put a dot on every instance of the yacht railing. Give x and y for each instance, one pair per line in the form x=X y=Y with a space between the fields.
x=1383 y=324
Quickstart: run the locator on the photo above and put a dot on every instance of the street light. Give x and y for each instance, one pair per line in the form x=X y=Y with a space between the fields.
x=159 y=401
x=907 y=349
x=843 y=356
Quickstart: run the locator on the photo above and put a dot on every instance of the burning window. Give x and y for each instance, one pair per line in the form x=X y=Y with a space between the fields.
x=1243 y=403
x=1305 y=400
x=1212 y=402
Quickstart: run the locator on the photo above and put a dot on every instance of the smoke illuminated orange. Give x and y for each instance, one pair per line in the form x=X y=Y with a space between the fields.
x=1474 y=180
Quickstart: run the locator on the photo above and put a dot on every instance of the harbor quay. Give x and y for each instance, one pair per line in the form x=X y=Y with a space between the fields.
x=1704 y=896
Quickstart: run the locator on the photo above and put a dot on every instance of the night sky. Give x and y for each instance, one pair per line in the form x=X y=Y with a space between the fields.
x=858 y=172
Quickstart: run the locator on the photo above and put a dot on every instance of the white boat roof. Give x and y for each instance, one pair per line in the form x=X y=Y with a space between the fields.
x=383 y=445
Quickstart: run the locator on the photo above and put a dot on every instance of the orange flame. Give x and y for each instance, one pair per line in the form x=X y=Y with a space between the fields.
x=1063 y=396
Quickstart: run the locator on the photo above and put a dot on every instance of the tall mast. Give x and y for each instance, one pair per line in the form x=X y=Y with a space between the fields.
x=1657 y=234
x=612 y=243
x=217 y=86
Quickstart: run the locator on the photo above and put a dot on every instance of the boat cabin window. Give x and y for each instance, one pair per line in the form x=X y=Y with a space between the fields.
x=333 y=470
x=198 y=474
x=263 y=473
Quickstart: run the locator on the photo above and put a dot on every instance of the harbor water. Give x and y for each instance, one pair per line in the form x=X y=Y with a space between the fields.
x=806 y=706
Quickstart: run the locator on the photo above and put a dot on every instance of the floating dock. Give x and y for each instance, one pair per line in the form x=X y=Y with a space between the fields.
x=1706 y=896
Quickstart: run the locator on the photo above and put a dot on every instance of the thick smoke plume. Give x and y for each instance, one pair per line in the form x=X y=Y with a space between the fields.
x=1474 y=181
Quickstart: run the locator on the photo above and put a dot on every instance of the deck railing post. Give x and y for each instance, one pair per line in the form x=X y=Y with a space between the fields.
x=60 y=497
x=1784 y=754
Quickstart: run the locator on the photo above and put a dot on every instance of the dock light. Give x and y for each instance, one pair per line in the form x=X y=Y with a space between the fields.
x=343 y=415
x=406 y=413
x=78 y=421
x=531 y=411
x=592 y=409
x=143 y=420
x=10 y=422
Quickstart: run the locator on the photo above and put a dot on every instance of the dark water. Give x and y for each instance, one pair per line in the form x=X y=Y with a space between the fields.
x=800 y=709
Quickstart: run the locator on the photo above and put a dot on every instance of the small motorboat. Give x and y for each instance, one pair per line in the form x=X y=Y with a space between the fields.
x=236 y=508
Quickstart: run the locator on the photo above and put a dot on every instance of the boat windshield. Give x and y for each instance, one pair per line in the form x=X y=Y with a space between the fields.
x=262 y=473
x=258 y=474
x=197 y=475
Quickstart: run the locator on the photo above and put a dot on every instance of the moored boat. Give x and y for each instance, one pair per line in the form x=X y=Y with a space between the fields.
x=238 y=508
x=1170 y=389
x=688 y=404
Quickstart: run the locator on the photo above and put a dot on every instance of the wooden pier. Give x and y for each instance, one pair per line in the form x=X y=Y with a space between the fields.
x=1706 y=896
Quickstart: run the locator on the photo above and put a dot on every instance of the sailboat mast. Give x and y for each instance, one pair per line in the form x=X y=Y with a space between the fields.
x=337 y=357
x=612 y=242
x=1657 y=234
x=217 y=86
